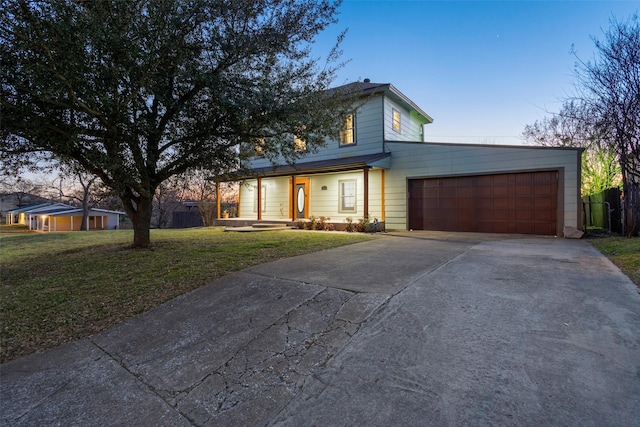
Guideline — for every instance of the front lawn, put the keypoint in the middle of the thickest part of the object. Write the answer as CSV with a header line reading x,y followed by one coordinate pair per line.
x,y
59,287
623,252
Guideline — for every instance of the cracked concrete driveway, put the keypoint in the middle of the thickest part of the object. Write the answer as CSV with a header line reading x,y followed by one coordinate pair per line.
x,y
417,328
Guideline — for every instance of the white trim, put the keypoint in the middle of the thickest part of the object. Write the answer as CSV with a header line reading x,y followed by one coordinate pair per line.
x,y
395,112
351,199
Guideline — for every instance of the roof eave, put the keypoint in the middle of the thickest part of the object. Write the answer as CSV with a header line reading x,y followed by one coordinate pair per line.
x,y
325,166
409,102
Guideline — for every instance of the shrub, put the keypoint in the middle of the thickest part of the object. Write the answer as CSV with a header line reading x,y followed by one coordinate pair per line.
x,y
363,224
350,227
324,225
313,223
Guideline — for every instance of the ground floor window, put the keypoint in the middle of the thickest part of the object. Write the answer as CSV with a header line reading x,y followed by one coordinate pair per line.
x,y
347,195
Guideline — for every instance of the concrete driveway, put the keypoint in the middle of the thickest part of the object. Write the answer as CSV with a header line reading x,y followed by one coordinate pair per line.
x,y
415,328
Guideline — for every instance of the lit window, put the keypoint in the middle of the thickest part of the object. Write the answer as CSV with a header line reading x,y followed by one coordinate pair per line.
x,y
347,196
260,148
300,145
348,131
396,120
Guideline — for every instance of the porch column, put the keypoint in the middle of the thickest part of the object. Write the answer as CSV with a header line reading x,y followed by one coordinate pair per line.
x,y
239,198
217,199
366,192
293,198
382,194
259,199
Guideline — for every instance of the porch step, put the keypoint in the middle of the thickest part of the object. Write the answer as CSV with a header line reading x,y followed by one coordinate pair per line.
x,y
262,226
269,225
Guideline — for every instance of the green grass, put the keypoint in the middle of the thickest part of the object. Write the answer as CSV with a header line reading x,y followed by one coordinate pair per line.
x,y
623,252
59,287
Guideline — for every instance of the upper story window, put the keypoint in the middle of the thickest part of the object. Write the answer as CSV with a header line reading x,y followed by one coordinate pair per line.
x,y
396,120
300,145
348,131
259,148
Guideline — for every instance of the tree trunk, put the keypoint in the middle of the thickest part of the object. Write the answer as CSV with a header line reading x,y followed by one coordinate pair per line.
x,y
631,208
86,184
139,212
141,234
84,225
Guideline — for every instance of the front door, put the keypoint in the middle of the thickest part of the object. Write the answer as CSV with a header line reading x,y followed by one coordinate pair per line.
x,y
300,201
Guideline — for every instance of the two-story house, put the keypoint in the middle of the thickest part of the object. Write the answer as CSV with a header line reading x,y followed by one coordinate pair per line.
x,y
382,168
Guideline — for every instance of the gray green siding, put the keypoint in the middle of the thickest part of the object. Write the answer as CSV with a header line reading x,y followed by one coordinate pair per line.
x,y
368,137
412,160
410,128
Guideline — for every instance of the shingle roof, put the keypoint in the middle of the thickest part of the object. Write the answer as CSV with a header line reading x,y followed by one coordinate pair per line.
x,y
317,166
368,88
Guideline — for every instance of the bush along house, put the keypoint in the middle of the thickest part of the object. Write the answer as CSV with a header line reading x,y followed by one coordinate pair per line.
x,y
382,171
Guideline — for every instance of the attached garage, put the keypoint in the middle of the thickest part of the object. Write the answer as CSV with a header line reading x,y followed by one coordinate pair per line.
x,y
522,203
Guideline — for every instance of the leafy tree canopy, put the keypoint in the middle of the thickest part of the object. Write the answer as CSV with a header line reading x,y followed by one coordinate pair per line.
x,y
137,91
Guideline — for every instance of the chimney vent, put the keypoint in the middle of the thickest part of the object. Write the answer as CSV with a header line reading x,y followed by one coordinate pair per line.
x,y
367,80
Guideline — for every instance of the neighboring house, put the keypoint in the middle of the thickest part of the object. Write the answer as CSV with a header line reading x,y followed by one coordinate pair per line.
x,y
382,169
18,199
61,217
19,216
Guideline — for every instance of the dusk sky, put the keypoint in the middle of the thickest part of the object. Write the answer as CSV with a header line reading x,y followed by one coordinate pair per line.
x,y
482,69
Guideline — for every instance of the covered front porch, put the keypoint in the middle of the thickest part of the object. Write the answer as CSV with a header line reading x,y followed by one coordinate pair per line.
x,y
337,192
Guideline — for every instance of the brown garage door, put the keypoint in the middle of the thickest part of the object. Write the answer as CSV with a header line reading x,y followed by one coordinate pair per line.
x,y
523,203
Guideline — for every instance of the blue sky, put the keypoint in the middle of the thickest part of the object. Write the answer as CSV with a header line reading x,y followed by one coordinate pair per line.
x,y
482,69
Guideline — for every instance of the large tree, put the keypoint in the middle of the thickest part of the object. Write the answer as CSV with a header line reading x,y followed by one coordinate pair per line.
x,y
605,111
610,85
137,91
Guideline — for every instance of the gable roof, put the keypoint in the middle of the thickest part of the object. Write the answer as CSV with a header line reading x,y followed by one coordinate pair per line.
x,y
29,207
366,88
53,209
